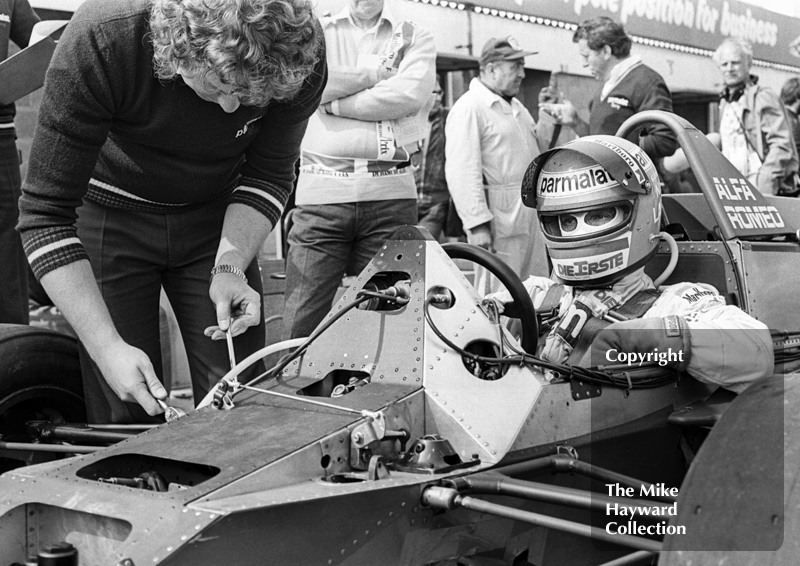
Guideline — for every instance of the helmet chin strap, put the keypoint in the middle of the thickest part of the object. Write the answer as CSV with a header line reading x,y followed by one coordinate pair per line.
x,y
608,284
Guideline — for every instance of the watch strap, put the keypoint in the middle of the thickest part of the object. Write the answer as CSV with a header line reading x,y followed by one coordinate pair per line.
x,y
227,268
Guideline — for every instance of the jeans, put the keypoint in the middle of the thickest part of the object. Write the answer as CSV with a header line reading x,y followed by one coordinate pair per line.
x,y
14,283
323,241
133,255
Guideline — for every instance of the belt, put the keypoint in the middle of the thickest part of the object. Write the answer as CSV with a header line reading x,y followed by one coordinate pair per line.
x,y
345,165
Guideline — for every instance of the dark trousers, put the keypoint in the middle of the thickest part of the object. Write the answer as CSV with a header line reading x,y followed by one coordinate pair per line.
x,y
324,240
14,280
133,255
433,217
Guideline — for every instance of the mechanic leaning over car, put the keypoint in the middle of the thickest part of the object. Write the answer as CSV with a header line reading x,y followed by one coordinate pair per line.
x,y
164,155
598,199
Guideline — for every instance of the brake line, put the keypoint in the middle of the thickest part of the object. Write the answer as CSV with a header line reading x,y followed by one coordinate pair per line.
x,y
236,387
300,350
362,412
624,380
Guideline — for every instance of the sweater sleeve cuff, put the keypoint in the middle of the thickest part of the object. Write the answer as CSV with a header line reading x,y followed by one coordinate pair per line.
x,y
51,248
266,198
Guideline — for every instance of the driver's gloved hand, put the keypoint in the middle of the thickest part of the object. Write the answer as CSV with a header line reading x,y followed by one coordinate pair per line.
x,y
501,298
654,335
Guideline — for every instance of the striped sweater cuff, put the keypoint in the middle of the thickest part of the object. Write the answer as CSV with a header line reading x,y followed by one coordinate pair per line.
x,y
50,248
269,200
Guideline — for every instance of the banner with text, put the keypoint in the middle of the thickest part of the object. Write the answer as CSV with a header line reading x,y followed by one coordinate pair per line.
x,y
695,23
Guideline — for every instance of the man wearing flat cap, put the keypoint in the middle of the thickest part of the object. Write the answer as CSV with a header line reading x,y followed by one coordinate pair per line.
x,y
491,139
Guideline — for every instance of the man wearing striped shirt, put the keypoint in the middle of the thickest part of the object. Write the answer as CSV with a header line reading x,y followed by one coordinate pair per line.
x,y
356,185
163,156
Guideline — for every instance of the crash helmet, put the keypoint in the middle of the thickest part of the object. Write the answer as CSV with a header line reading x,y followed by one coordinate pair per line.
x,y
598,199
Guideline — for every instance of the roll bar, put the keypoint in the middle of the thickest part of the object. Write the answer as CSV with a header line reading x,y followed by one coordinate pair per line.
x,y
727,192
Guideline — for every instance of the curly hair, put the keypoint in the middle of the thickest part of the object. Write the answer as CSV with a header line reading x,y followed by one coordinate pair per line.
x,y
602,31
263,49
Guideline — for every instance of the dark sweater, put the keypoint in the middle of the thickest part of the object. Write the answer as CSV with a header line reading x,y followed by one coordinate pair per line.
x,y
109,126
16,22
641,89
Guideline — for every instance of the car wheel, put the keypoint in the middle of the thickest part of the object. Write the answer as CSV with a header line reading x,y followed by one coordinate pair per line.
x,y
40,379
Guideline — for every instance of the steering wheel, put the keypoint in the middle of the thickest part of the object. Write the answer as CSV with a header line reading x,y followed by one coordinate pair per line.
x,y
498,268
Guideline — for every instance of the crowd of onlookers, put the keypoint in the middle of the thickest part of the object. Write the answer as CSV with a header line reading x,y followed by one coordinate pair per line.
x,y
759,131
141,180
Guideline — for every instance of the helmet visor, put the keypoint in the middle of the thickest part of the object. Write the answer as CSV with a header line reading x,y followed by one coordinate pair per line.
x,y
587,223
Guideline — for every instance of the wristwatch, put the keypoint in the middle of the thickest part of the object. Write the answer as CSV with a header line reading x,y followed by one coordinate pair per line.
x,y
227,268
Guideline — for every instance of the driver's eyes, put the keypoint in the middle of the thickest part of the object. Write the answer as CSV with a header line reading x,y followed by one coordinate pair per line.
x,y
568,223
600,217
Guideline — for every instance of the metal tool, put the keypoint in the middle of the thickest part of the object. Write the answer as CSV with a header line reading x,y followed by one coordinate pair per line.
x,y
171,413
229,339
222,393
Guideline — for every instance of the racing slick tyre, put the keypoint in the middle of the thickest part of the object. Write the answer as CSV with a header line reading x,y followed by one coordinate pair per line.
x,y
498,268
740,502
40,379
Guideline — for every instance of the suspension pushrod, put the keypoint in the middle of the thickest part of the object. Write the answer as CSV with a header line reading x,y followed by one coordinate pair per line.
x,y
446,498
564,463
83,434
131,427
309,401
61,448
550,494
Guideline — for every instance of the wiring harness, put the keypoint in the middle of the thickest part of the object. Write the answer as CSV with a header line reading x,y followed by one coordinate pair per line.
x,y
644,377
397,294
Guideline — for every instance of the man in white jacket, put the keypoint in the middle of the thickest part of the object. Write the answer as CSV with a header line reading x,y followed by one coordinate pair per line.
x,y
490,139
356,183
